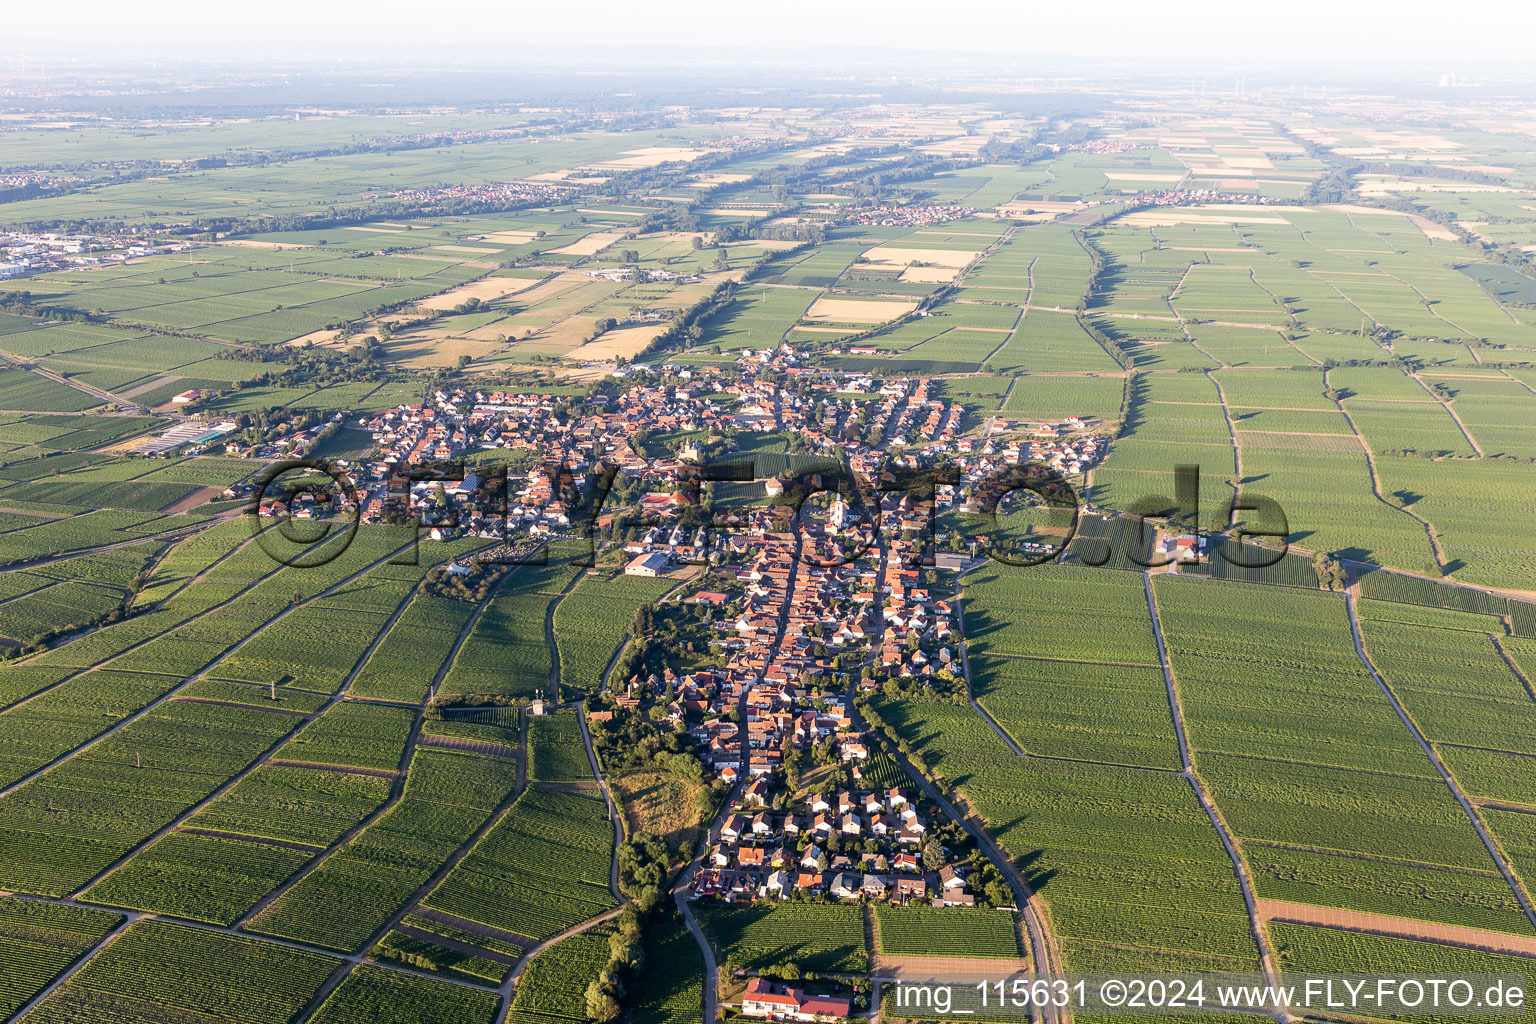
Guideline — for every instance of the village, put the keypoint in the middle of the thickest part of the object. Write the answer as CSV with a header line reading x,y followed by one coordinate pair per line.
x,y
667,433
802,595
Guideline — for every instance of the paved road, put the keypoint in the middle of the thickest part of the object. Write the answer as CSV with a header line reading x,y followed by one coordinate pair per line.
x,y
680,890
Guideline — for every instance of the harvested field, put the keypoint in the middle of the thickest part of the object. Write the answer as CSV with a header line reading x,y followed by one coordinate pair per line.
x,y
627,342
899,257
1162,219
1402,927
1137,176
507,237
650,156
486,290
857,311
590,245
256,243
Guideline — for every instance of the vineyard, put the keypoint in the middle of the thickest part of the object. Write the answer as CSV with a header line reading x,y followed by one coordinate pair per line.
x,y
1128,854
38,941
354,734
540,869
590,623
205,878
294,805
501,726
402,666
351,893
556,751
426,955
818,937
373,995
672,985
1304,949
252,777
554,984
928,931
506,652
120,791
158,973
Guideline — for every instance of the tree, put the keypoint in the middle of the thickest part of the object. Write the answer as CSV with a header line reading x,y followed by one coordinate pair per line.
x,y
999,895
602,1004
1330,574
642,862
933,855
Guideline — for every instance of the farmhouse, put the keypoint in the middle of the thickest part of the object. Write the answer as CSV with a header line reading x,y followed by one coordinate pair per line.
x,y
765,999
650,565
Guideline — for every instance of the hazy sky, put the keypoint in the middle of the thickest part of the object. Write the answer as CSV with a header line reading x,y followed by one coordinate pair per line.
x,y
1446,35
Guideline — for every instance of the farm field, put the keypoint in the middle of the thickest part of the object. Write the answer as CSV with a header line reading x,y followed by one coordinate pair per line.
x,y
540,869
824,938
920,931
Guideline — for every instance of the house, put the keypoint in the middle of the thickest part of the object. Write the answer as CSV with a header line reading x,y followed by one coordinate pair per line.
x,y
778,882
845,885
757,794
1186,548
763,998
812,853
911,887
734,826
950,879
873,885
